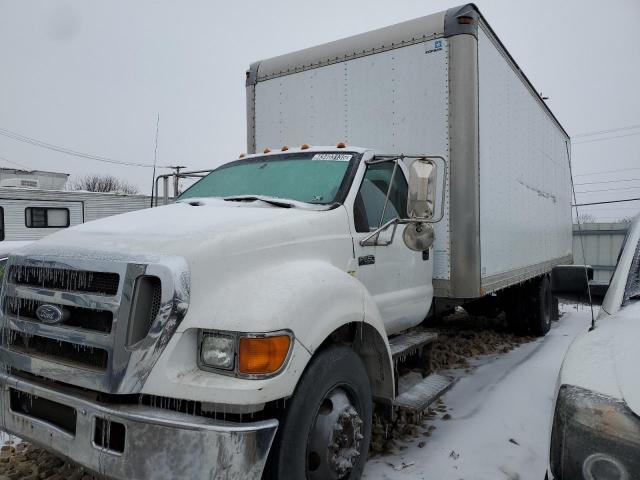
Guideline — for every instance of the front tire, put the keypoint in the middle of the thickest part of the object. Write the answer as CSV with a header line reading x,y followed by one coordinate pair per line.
x,y
326,429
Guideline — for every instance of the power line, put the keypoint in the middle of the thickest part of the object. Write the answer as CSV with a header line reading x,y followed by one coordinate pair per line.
x,y
602,132
605,138
608,201
68,151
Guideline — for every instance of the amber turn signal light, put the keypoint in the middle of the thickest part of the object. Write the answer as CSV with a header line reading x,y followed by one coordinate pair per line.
x,y
263,355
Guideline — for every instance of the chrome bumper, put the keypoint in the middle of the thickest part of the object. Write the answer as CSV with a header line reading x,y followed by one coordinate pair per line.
x,y
159,444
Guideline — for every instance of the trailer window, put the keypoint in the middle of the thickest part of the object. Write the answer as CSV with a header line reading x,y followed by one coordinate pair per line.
x,y
44,217
370,201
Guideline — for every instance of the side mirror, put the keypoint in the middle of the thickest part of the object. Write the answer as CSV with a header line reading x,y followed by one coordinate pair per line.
x,y
422,189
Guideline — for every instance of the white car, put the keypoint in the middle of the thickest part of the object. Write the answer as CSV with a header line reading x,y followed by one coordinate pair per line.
x,y
596,424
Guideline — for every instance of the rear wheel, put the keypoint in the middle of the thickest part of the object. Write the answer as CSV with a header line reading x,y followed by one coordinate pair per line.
x,y
528,307
326,429
540,302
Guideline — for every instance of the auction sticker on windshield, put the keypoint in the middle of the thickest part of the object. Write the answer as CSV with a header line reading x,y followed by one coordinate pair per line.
x,y
341,157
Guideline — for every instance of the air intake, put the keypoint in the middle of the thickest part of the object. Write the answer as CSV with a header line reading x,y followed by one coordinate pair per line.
x,y
145,307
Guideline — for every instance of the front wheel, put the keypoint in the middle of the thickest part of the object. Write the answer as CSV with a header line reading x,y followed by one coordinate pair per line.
x,y
326,429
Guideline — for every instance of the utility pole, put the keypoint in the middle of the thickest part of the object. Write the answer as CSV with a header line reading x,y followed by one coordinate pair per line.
x,y
176,179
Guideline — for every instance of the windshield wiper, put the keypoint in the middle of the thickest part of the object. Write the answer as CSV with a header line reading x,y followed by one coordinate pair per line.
x,y
252,198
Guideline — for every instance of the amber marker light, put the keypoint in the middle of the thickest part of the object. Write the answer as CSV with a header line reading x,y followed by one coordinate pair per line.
x,y
284,149
304,146
341,145
262,355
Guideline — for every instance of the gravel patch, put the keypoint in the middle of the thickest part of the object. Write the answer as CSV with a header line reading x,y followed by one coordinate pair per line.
x,y
461,338
21,460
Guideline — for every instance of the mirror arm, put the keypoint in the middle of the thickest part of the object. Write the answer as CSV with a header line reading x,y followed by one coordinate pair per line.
x,y
386,198
366,242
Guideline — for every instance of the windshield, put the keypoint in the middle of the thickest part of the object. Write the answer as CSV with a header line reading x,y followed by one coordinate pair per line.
x,y
306,177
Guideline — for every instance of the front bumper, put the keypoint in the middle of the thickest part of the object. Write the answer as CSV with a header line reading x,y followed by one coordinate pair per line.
x,y
158,443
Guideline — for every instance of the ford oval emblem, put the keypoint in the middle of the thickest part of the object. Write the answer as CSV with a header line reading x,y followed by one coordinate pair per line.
x,y
50,314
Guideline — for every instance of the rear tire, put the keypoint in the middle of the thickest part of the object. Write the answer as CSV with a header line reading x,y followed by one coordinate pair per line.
x,y
326,429
528,307
512,300
540,306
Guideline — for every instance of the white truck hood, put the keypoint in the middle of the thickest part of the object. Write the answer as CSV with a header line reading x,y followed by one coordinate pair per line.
x,y
185,228
606,359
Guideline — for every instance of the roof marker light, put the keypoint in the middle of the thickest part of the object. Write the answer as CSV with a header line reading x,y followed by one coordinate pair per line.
x,y
242,155
266,150
466,20
341,145
304,146
284,149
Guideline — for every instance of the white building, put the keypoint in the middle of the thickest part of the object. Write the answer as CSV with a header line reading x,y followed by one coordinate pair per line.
x,y
11,177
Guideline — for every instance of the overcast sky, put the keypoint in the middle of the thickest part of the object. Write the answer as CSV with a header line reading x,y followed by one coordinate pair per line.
x,y
92,75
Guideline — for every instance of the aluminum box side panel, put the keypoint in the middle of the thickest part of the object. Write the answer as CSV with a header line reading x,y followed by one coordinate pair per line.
x,y
525,203
395,101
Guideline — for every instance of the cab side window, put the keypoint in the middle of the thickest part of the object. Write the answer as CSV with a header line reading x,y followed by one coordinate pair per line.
x,y
369,204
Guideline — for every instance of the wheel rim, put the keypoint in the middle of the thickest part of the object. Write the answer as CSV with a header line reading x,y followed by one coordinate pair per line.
x,y
335,440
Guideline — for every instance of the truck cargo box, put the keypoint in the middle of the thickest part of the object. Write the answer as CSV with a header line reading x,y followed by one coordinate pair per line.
x,y
438,85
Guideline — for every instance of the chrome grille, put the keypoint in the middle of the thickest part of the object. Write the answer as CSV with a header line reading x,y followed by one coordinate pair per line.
x,y
59,351
78,317
103,283
88,348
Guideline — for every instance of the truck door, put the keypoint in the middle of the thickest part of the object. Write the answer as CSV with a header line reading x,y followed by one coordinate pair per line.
x,y
399,279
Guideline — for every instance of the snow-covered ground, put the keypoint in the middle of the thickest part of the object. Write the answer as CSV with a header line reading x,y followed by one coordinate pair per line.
x,y
500,417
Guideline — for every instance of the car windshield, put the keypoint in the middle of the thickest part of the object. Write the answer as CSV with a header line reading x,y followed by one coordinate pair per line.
x,y
306,177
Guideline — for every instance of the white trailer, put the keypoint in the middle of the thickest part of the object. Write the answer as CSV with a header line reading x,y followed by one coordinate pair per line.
x,y
28,214
438,85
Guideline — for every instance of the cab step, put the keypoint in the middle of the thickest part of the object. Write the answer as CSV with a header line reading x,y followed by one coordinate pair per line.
x,y
417,398
409,343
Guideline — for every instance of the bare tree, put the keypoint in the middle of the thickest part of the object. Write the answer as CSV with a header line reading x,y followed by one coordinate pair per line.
x,y
101,183
585,218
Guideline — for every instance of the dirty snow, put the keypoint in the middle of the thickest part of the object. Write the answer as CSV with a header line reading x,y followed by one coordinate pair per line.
x,y
500,417
492,425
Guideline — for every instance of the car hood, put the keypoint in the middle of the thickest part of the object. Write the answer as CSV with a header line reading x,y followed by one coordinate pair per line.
x,y
606,359
187,228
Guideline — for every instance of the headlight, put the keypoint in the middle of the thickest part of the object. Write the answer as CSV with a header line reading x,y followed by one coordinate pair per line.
x,y
217,350
244,354
594,437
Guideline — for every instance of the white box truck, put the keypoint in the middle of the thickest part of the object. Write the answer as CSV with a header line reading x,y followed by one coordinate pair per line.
x,y
249,329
